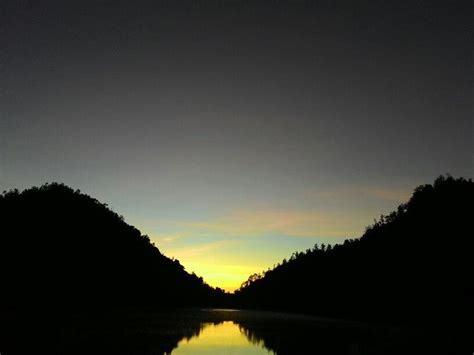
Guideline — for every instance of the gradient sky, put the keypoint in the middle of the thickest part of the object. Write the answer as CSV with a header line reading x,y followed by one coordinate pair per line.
x,y
236,132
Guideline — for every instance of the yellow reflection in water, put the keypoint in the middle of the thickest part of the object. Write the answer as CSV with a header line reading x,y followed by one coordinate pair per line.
x,y
223,338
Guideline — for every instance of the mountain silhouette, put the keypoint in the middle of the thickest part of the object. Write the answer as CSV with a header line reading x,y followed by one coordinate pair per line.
x,y
414,264
75,277
62,248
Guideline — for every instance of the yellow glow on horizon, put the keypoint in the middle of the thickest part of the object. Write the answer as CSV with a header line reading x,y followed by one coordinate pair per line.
x,y
226,248
226,259
226,276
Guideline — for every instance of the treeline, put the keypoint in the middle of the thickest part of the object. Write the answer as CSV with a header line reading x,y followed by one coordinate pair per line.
x,y
414,264
60,247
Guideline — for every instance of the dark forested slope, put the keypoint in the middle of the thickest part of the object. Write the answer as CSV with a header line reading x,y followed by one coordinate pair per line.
x,y
415,263
59,247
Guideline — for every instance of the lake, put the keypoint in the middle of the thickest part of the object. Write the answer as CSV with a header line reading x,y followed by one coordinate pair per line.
x,y
211,331
223,338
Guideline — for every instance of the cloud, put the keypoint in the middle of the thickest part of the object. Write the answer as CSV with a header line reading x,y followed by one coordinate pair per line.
x,y
337,213
396,195
225,249
190,252
228,246
303,223
166,238
357,193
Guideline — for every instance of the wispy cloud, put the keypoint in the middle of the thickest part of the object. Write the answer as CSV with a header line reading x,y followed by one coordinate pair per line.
x,y
356,193
225,248
396,195
167,238
304,223
190,252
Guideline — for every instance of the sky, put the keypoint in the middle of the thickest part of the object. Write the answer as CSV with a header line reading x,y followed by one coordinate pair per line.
x,y
234,133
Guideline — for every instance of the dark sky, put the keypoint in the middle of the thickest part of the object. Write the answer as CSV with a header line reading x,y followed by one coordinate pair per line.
x,y
212,124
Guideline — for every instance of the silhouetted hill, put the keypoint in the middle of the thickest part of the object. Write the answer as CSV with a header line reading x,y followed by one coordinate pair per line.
x,y
74,277
414,264
59,247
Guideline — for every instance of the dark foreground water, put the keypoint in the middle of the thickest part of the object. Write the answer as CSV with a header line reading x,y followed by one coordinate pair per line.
x,y
214,331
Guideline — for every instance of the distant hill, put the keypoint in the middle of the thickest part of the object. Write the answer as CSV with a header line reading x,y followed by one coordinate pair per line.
x,y
414,264
59,247
62,248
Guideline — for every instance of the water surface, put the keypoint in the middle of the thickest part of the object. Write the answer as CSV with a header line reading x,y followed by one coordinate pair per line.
x,y
223,338
213,331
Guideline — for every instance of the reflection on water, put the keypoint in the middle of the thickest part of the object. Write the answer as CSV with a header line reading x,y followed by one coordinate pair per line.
x,y
222,338
215,331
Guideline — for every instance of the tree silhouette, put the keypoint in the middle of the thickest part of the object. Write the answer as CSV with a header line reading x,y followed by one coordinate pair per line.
x,y
413,263
59,247
63,252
